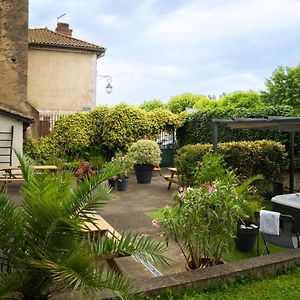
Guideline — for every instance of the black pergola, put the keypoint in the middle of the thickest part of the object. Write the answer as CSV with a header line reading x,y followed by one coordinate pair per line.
x,y
281,124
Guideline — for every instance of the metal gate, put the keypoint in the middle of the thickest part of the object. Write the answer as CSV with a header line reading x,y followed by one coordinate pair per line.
x,y
167,145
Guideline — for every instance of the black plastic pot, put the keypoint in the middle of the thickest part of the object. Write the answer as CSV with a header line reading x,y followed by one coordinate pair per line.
x,y
123,184
143,173
246,238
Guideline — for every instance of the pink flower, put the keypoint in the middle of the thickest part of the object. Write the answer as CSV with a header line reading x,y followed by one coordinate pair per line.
x,y
210,187
155,223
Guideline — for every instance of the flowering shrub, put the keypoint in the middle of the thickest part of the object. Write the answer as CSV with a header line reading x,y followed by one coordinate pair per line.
x,y
145,152
204,219
124,163
85,170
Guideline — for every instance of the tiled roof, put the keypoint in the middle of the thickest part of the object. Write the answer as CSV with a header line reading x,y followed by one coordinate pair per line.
x,y
46,37
9,111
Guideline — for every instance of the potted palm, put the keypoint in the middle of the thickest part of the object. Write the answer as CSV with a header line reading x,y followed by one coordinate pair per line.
x,y
145,154
43,250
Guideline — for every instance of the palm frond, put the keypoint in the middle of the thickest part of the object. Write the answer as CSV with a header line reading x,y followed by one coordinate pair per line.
x,y
144,247
9,283
9,222
26,165
79,272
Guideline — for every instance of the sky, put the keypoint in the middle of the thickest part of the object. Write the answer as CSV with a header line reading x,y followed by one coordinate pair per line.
x,y
157,49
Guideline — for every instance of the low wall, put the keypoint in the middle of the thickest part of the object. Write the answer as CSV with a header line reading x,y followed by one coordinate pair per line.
x,y
257,267
261,266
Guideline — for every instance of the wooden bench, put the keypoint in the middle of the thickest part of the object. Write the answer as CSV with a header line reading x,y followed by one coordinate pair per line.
x,y
100,227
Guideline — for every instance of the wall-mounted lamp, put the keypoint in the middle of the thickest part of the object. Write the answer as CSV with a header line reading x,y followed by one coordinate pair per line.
x,y
109,87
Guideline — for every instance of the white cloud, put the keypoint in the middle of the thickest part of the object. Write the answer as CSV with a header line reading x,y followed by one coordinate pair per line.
x,y
195,24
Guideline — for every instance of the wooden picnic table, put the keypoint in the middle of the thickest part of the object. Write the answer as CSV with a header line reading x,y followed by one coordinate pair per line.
x,y
172,178
14,173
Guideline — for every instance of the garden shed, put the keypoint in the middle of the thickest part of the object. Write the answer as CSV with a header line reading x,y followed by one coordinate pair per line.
x,y
13,125
278,123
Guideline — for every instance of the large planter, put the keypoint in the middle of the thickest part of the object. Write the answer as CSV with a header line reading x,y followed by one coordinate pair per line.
x,y
122,184
143,173
246,238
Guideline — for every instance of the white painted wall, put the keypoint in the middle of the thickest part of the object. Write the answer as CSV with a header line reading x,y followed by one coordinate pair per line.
x,y
5,125
61,81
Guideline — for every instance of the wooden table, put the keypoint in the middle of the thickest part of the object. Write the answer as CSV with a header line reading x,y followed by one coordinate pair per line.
x,y
14,173
173,178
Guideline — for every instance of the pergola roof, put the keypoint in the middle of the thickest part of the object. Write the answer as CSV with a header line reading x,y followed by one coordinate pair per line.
x,y
278,123
281,124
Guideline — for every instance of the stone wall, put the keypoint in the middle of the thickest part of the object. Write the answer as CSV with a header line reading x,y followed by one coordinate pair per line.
x,y
14,57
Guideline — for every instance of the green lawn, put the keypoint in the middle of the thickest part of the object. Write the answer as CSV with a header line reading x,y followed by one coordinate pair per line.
x,y
285,287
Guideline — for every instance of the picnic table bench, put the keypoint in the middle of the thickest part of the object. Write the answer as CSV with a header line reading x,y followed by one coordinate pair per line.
x,y
100,227
172,178
14,173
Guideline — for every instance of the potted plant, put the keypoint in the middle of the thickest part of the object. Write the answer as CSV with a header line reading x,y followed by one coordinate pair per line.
x,y
247,229
145,154
213,167
124,162
203,222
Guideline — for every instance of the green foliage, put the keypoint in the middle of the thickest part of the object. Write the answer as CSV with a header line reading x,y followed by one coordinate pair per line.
x,y
145,152
267,158
283,87
198,127
102,133
241,99
44,242
211,168
204,103
152,104
73,133
97,117
123,126
162,119
203,221
181,102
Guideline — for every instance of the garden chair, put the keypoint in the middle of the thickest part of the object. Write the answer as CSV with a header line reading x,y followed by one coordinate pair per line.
x,y
286,237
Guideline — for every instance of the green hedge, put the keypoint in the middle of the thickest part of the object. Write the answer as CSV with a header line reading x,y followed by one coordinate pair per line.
x,y
198,126
102,132
246,158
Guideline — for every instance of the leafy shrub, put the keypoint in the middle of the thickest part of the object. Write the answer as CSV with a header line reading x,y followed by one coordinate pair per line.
x,y
152,104
163,119
123,126
239,99
181,102
267,158
145,152
198,127
73,133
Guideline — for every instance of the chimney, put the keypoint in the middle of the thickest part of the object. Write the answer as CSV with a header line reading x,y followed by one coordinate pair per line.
x,y
63,28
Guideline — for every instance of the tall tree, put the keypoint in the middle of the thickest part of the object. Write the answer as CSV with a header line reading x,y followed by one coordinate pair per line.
x,y
283,87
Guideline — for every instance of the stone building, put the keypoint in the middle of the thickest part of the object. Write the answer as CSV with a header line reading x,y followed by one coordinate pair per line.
x,y
14,58
62,71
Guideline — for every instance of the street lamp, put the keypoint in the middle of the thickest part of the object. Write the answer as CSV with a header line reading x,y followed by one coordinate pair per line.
x,y
109,87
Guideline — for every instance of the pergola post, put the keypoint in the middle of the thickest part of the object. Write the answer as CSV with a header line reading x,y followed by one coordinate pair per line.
x,y
292,155
215,137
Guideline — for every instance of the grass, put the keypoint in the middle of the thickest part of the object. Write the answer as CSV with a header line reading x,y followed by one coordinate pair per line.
x,y
284,286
